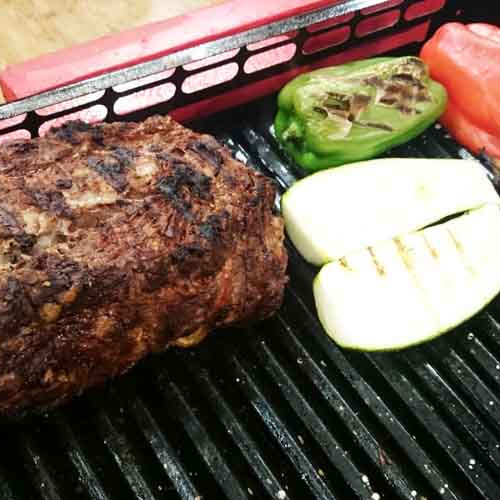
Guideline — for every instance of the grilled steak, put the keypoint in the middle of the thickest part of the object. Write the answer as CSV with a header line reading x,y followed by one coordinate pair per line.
x,y
118,240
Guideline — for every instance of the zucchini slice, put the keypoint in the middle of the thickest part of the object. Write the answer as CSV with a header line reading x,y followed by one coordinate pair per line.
x,y
341,210
414,287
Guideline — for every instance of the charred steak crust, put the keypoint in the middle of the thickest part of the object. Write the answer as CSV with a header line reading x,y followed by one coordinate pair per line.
x,y
118,240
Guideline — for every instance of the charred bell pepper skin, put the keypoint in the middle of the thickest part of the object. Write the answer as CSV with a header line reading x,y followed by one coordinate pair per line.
x,y
356,111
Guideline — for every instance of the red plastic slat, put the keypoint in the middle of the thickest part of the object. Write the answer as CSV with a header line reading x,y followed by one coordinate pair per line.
x,y
211,60
10,122
424,8
327,39
15,136
146,43
383,6
377,23
209,78
144,81
266,86
330,22
73,103
270,58
272,41
144,98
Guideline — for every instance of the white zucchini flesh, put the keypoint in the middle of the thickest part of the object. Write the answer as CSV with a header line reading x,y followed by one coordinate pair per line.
x,y
337,211
414,287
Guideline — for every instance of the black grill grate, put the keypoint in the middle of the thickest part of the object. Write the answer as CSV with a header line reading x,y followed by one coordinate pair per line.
x,y
278,410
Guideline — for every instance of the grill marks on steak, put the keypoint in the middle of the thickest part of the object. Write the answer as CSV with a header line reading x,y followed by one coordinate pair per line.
x,y
51,201
117,240
15,306
114,168
113,172
208,149
184,183
72,132
10,227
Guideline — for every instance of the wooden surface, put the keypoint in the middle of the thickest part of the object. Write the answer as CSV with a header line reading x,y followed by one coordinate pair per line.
x,y
29,28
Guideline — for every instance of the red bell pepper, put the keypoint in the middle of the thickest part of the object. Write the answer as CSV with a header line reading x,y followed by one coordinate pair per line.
x,y
466,60
469,134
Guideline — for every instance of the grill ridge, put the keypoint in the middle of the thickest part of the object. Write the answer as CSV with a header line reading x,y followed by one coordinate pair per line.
x,y
371,423
277,410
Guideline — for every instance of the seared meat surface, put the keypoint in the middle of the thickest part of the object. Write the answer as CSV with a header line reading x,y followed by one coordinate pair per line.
x,y
118,240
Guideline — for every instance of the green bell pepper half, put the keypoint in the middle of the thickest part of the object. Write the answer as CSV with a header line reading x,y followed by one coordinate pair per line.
x,y
356,111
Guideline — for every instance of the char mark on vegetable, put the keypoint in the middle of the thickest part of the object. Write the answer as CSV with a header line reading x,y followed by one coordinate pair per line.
x,y
378,266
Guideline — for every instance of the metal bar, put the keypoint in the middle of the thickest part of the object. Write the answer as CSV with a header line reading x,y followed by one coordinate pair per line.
x,y
179,58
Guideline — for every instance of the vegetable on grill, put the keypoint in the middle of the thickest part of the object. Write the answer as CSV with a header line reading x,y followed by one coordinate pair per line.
x,y
396,270
466,59
412,288
356,111
337,211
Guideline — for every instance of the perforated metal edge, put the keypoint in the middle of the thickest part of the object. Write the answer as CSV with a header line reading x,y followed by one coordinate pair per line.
x,y
179,58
